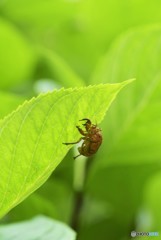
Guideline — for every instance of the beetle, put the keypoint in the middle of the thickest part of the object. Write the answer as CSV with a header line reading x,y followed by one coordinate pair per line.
x,y
92,139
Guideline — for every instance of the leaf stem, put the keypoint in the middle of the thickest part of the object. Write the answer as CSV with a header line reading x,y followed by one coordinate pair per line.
x,y
81,172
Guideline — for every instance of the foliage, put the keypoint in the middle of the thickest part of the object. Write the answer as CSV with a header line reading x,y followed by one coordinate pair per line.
x,y
47,45
36,131
37,228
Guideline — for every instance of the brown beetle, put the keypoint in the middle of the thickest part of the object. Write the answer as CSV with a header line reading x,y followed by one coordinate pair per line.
x,y
92,139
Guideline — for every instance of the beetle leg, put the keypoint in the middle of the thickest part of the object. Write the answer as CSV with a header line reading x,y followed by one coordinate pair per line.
x,y
82,138
77,156
80,150
81,131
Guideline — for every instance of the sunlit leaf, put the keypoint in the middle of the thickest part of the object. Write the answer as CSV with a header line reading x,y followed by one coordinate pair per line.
x,y
31,137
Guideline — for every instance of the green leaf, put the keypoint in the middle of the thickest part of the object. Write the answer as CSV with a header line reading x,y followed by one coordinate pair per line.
x,y
78,34
59,70
133,124
131,148
16,57
127,182
37,204
57,205
151,205
31,137
41,228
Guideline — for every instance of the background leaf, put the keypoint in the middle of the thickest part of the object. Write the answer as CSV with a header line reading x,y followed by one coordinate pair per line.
x,y
79,31
17,57
10,102
53,199
38,228
132,126
149,217
29,157
130,153
53,66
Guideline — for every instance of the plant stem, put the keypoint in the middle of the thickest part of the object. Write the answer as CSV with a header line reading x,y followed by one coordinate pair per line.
x,y
78,203
79,191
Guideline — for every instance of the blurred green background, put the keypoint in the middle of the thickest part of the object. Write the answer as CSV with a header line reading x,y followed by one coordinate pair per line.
x,y
48,44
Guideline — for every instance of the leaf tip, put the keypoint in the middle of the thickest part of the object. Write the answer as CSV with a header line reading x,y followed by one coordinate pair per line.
x,y
129,81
